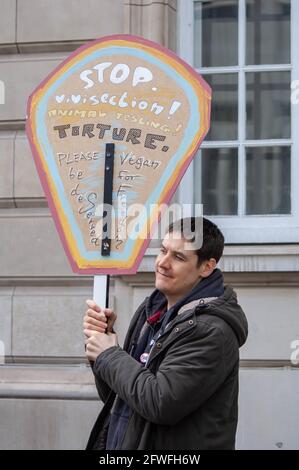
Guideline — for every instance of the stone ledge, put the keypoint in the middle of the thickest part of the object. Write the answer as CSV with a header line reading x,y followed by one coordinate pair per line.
x,y
46,392
237,258
76,383
49,281
47,382
47,373
237,279
40,47
11,125
53,46
43,361
245,258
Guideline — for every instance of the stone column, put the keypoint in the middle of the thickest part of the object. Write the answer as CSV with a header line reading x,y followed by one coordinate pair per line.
x,y
154,20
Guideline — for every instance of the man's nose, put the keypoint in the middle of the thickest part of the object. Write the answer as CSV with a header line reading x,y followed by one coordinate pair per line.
x,y
164,262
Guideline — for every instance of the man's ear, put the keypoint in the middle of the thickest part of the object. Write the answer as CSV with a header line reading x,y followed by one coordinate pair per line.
x,y
207,267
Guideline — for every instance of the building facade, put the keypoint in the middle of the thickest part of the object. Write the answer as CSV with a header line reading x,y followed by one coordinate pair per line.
x,y
245,175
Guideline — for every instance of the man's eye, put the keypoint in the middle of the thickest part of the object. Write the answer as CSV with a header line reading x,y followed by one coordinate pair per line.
x,y
162,250
180,258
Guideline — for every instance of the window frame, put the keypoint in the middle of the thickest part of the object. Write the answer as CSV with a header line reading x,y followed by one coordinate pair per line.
x,y
247,228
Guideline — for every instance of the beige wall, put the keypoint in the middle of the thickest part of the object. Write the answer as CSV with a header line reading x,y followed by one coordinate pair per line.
x,y
47,396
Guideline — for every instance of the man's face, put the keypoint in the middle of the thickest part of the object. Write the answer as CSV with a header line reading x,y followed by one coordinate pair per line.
x,y
176,267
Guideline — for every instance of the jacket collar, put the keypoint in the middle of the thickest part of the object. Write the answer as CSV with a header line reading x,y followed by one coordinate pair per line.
x,y
196,303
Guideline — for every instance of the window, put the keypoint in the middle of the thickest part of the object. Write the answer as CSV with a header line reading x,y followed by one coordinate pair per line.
x,y
245,172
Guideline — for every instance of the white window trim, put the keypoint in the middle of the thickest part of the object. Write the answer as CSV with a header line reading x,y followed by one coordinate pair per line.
x,y
248,229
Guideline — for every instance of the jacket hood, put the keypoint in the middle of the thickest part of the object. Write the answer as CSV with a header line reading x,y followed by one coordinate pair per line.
x,y
226,307
212,286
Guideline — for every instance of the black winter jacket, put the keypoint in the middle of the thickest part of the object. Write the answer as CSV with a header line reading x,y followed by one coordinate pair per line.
x,y
187,396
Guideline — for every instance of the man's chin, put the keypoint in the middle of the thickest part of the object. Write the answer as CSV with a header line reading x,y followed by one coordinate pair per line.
x,y
160,285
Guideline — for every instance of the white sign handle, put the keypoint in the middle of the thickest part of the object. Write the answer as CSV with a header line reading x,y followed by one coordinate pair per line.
x,y
100,290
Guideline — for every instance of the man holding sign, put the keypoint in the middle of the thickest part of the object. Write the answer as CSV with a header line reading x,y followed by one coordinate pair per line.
x,y
114,128
174,384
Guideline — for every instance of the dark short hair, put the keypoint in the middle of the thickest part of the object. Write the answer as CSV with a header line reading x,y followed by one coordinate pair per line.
x,y
212,239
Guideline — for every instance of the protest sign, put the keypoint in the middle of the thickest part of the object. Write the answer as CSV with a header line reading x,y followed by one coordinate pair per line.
x,y
153,107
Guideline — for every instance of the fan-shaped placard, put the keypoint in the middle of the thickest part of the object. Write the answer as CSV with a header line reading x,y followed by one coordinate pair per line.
x,y
152,106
